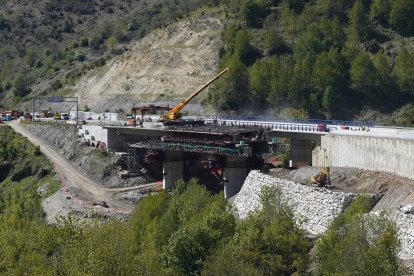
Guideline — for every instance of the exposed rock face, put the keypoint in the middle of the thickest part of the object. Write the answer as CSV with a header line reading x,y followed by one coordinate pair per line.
x,y
165,66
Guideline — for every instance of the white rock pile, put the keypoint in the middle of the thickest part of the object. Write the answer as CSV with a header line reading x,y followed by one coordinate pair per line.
x,y
315,208
405,225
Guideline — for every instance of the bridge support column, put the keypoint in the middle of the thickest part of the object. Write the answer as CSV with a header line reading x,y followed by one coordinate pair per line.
x,y
173,168
301,152
235,173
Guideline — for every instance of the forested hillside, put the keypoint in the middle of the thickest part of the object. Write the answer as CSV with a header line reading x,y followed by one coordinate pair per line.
x,y
318,58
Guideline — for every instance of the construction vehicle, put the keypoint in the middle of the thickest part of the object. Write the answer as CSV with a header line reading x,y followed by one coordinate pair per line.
x,y
174,114
322,179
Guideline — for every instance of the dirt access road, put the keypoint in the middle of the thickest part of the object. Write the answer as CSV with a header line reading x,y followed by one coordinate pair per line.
x,y
71,177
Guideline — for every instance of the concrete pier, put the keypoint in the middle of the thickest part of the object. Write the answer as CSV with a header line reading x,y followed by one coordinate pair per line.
x,y
235,173
173,169
301,152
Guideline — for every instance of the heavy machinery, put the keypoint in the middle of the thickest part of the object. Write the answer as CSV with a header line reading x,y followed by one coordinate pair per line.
x,y
322,179
174,113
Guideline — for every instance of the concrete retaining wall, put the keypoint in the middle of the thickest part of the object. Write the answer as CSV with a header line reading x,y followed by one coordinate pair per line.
x,y
94,134
317,206
369,153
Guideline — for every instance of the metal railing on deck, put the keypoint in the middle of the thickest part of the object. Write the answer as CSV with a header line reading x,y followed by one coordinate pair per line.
x,y
269,119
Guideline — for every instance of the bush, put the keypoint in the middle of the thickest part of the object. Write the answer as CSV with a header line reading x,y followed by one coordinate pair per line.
x,y
37,151
84,42
358,244
20,86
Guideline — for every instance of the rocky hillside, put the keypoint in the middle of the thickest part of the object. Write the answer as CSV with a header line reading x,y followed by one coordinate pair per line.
x,y
166,65
47,46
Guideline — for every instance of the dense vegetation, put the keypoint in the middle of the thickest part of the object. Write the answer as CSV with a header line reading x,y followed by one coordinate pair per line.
x,y
318,58
188,232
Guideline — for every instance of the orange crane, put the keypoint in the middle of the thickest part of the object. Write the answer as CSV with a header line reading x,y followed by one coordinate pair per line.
x,y
174,113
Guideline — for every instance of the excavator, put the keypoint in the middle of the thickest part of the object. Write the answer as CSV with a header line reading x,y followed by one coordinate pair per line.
x,y
174,113
322,179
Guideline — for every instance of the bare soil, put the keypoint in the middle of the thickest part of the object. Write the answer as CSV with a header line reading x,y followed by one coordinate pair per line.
x,y
165,66
397,191
79,194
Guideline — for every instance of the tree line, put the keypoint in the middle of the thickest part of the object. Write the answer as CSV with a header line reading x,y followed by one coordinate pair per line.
x,y
327,57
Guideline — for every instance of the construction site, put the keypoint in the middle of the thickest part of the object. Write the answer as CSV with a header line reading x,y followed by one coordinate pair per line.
x,y
110,162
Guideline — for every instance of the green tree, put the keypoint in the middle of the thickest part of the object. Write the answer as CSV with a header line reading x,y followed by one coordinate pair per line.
x,y
358,22
385,97
329,101
268,242
334,8
273,42
20,86
363,75
301,82
232,88
242,47
319,37
30,57
358,244
259,85
310,42
67,26
294,113
281,73
100,250
254,12
404,71
329,71
111,42
401,16
380,11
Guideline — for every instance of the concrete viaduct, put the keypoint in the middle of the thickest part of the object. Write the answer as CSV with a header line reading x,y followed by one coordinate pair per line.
x,y
240,140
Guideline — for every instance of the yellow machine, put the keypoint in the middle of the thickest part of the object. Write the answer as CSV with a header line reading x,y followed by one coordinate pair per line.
x,y
322,179
174,113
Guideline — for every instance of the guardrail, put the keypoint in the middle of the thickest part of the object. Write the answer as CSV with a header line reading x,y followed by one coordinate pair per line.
x,y
280,120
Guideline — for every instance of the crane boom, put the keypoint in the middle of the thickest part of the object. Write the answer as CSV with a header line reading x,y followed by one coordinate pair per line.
x,y
174,113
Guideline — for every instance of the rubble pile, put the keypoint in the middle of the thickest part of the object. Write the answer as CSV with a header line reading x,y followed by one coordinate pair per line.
x,y
404,219
315,208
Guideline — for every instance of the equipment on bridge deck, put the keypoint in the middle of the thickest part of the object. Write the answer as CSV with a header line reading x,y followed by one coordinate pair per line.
x,y
174,113
152,109
323,128
322,179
